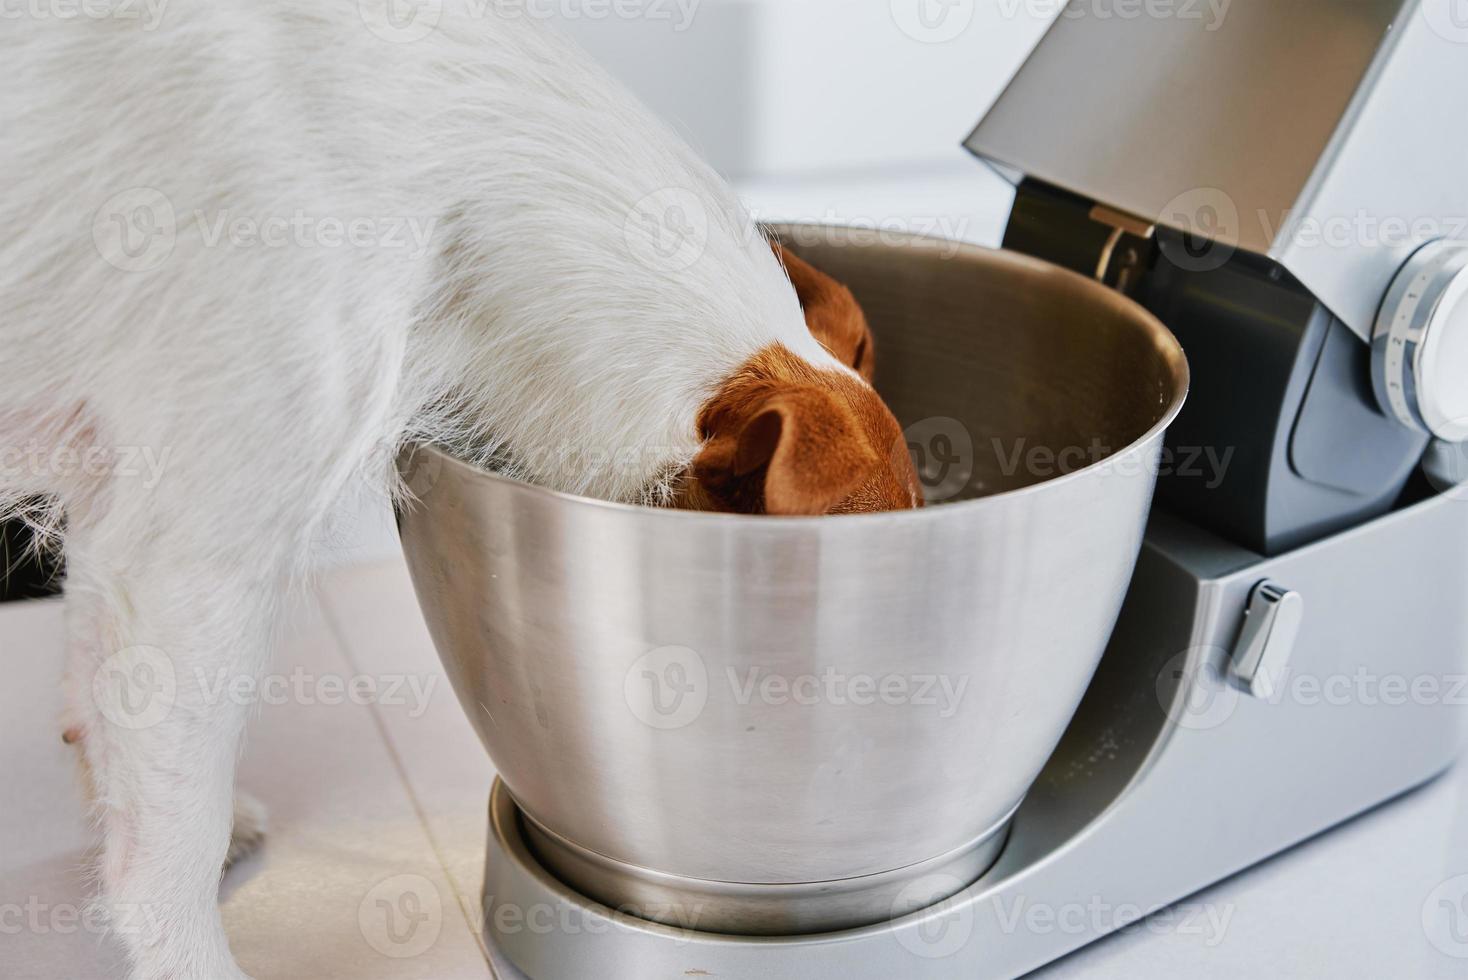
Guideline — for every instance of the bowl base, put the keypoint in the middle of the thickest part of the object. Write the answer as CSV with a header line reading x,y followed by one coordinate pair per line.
x,y
748,909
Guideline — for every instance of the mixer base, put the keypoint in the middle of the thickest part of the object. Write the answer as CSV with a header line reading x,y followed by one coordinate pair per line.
x,y
539,927
731,908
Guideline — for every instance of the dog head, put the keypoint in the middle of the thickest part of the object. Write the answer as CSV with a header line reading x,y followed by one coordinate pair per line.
x,y
784,436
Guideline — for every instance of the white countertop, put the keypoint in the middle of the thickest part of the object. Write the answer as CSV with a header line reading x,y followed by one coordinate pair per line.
x,y
394,792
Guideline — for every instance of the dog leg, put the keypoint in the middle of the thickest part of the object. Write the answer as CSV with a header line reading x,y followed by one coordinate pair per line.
x,y
251,818
156,645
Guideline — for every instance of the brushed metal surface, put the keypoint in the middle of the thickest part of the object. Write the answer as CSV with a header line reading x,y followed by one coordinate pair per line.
x,y
1139,110
736,909
1326,135
615,660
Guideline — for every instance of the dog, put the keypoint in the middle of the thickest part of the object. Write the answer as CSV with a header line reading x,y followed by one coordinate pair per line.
x,y
267,244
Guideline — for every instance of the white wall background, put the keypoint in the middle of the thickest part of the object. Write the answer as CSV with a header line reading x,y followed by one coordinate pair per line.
x,y
846,111
799,86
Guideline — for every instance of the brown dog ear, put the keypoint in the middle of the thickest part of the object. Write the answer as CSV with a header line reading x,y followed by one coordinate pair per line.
x,y
832,313
797,452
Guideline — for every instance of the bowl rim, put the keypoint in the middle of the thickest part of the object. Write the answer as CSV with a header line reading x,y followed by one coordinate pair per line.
x,y
1162,338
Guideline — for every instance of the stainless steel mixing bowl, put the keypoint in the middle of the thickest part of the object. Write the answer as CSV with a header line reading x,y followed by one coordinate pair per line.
x,y
760,725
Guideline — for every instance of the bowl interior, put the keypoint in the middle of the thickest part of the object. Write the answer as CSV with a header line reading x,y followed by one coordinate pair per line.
x,y
1005,371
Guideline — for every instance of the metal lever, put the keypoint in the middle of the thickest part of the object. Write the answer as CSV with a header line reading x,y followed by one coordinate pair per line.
x,y
1271,625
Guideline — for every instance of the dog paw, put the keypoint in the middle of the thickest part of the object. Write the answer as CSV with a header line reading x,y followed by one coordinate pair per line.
x,y
249,829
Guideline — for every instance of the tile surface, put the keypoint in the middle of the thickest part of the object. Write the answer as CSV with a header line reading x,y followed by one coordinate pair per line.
x,y
348,884
44,837
446,770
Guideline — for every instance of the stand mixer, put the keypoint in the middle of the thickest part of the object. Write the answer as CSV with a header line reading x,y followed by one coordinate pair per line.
x,y
1285,653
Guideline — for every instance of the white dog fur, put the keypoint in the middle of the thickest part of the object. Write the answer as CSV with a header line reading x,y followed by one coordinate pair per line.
x,y
520,302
